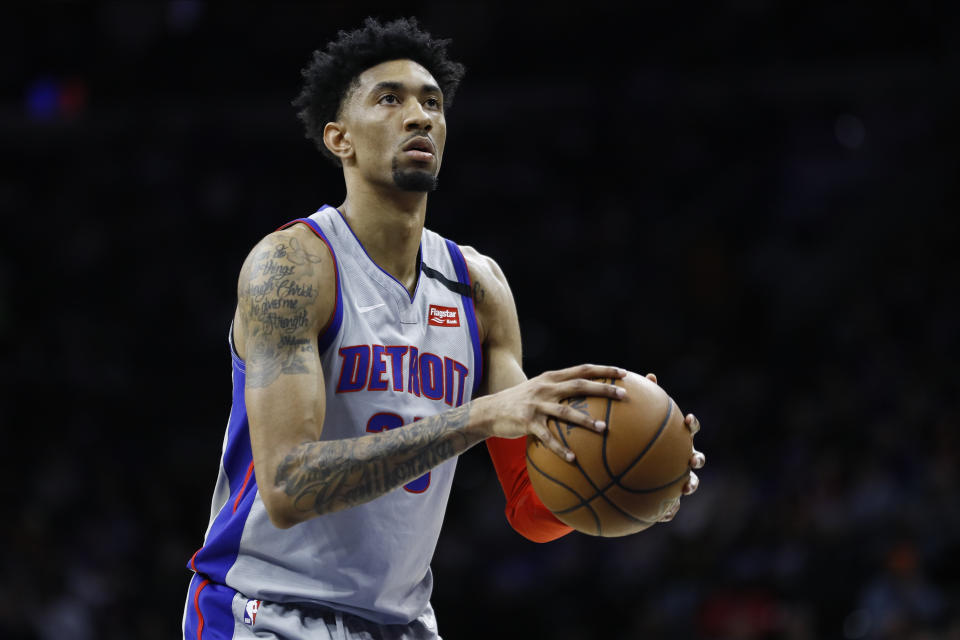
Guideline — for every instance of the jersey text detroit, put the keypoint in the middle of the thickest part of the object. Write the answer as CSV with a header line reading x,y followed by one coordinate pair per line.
x,y
401,368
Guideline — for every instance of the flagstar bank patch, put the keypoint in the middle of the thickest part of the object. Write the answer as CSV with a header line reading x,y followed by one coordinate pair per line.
x,y
443,316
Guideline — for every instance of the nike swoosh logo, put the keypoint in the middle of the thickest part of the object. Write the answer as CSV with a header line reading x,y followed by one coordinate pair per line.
x,y
371,307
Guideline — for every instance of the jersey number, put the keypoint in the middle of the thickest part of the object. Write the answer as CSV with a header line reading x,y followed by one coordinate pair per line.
x,y
381,422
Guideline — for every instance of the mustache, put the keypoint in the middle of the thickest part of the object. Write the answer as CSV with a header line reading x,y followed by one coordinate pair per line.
x,y
420,133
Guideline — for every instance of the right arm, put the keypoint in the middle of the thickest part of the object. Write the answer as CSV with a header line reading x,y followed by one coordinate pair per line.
x,y
286,295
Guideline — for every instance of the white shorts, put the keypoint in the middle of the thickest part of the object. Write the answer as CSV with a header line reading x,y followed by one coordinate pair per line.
x,y
217,612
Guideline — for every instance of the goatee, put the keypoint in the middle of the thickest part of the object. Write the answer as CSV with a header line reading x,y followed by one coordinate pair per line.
x,y
413,179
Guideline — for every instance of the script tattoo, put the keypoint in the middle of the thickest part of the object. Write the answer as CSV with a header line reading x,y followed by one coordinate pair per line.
x,y
277,297
331,475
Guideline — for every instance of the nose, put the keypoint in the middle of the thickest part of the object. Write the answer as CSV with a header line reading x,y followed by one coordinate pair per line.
x,y
415,118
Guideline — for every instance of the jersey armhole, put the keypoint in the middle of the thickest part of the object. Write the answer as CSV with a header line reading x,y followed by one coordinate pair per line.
x,y
332,328
237,360
463,276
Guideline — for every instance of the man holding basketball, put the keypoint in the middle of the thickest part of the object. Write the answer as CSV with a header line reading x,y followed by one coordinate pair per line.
x,y
368,353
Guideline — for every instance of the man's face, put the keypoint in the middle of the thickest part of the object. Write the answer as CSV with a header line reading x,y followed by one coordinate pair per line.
x,y
394,117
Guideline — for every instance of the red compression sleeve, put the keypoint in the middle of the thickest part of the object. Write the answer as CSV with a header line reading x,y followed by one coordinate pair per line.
x,y
525,512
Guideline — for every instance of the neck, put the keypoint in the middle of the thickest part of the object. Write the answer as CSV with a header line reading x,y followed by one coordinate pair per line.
x,y
389,228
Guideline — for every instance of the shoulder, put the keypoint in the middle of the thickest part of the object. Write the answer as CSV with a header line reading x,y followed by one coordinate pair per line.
x,y
481,267
296,248
491,292
287,281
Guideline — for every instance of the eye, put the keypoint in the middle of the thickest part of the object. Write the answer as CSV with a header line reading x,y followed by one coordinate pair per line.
x,y
433,103
389,98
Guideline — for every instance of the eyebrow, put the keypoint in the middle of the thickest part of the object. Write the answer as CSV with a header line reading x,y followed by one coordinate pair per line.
x,y
392,85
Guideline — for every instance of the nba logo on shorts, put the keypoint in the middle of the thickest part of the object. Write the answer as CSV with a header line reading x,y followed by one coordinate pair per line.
x,y
250,613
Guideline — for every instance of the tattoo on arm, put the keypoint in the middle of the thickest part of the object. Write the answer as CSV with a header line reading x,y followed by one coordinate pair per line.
x,y
331,475
479,293
277,296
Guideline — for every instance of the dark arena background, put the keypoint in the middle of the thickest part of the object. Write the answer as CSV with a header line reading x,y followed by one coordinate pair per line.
x,y
756,202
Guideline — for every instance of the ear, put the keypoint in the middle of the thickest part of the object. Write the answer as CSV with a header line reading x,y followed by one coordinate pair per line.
x,y
337,140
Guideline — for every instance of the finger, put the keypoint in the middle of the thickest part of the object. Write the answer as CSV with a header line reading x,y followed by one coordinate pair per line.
x,y
671,512
697,460
692,483
652,377
587,371
692,423
566,413
581,387
544,435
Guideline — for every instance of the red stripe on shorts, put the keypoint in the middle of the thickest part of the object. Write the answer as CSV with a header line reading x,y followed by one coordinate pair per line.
x,y
246,479
196,605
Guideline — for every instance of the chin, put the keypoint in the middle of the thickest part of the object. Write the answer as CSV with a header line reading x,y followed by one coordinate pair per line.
x,y
414,179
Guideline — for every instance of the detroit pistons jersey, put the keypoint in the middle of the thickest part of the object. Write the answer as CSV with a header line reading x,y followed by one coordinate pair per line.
x,y
389,358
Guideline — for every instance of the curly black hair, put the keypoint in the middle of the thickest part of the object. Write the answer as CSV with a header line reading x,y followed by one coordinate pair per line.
x,y
331,74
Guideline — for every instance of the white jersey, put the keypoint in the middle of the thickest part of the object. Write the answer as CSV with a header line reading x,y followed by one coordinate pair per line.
x,y
388,358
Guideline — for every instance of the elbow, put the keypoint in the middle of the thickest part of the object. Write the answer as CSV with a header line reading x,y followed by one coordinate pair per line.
x,y
534,535
281,521
280,511
545,528
283,514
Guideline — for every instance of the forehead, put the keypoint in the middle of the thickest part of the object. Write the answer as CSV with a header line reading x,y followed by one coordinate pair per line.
x,y
404,71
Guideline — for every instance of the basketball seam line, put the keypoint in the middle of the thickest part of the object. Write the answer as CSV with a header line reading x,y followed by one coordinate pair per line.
x,y
583,501
568,488
660,430
682,476
601,493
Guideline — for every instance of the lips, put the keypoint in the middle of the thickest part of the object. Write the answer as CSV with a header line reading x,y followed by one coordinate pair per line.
x,y
420,148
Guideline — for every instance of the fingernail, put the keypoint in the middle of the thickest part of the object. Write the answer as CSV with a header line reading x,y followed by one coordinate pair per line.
x,y
621,392
600,425
622,372
570,456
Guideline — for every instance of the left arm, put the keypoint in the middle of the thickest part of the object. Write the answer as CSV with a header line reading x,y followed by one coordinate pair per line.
x,y
499,329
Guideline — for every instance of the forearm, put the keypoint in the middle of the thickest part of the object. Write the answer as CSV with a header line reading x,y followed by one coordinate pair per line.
x,y
524,510
325,476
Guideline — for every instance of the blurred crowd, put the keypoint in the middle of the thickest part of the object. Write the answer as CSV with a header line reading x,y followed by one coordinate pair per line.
x,y
759,207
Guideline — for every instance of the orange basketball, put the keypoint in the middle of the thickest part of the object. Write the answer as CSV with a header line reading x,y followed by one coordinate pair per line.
x,y
624,479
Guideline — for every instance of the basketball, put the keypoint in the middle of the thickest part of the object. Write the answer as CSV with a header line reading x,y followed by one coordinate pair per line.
x,y
624,479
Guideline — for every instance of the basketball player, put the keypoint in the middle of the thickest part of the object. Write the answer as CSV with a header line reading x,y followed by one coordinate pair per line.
x,y
368,353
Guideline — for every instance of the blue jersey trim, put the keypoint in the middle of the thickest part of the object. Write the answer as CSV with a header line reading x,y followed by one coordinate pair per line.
x,y
222,544
237,360
213,605
463,275
328,333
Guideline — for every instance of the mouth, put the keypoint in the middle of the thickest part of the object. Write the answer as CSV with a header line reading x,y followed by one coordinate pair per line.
x,y
420,148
